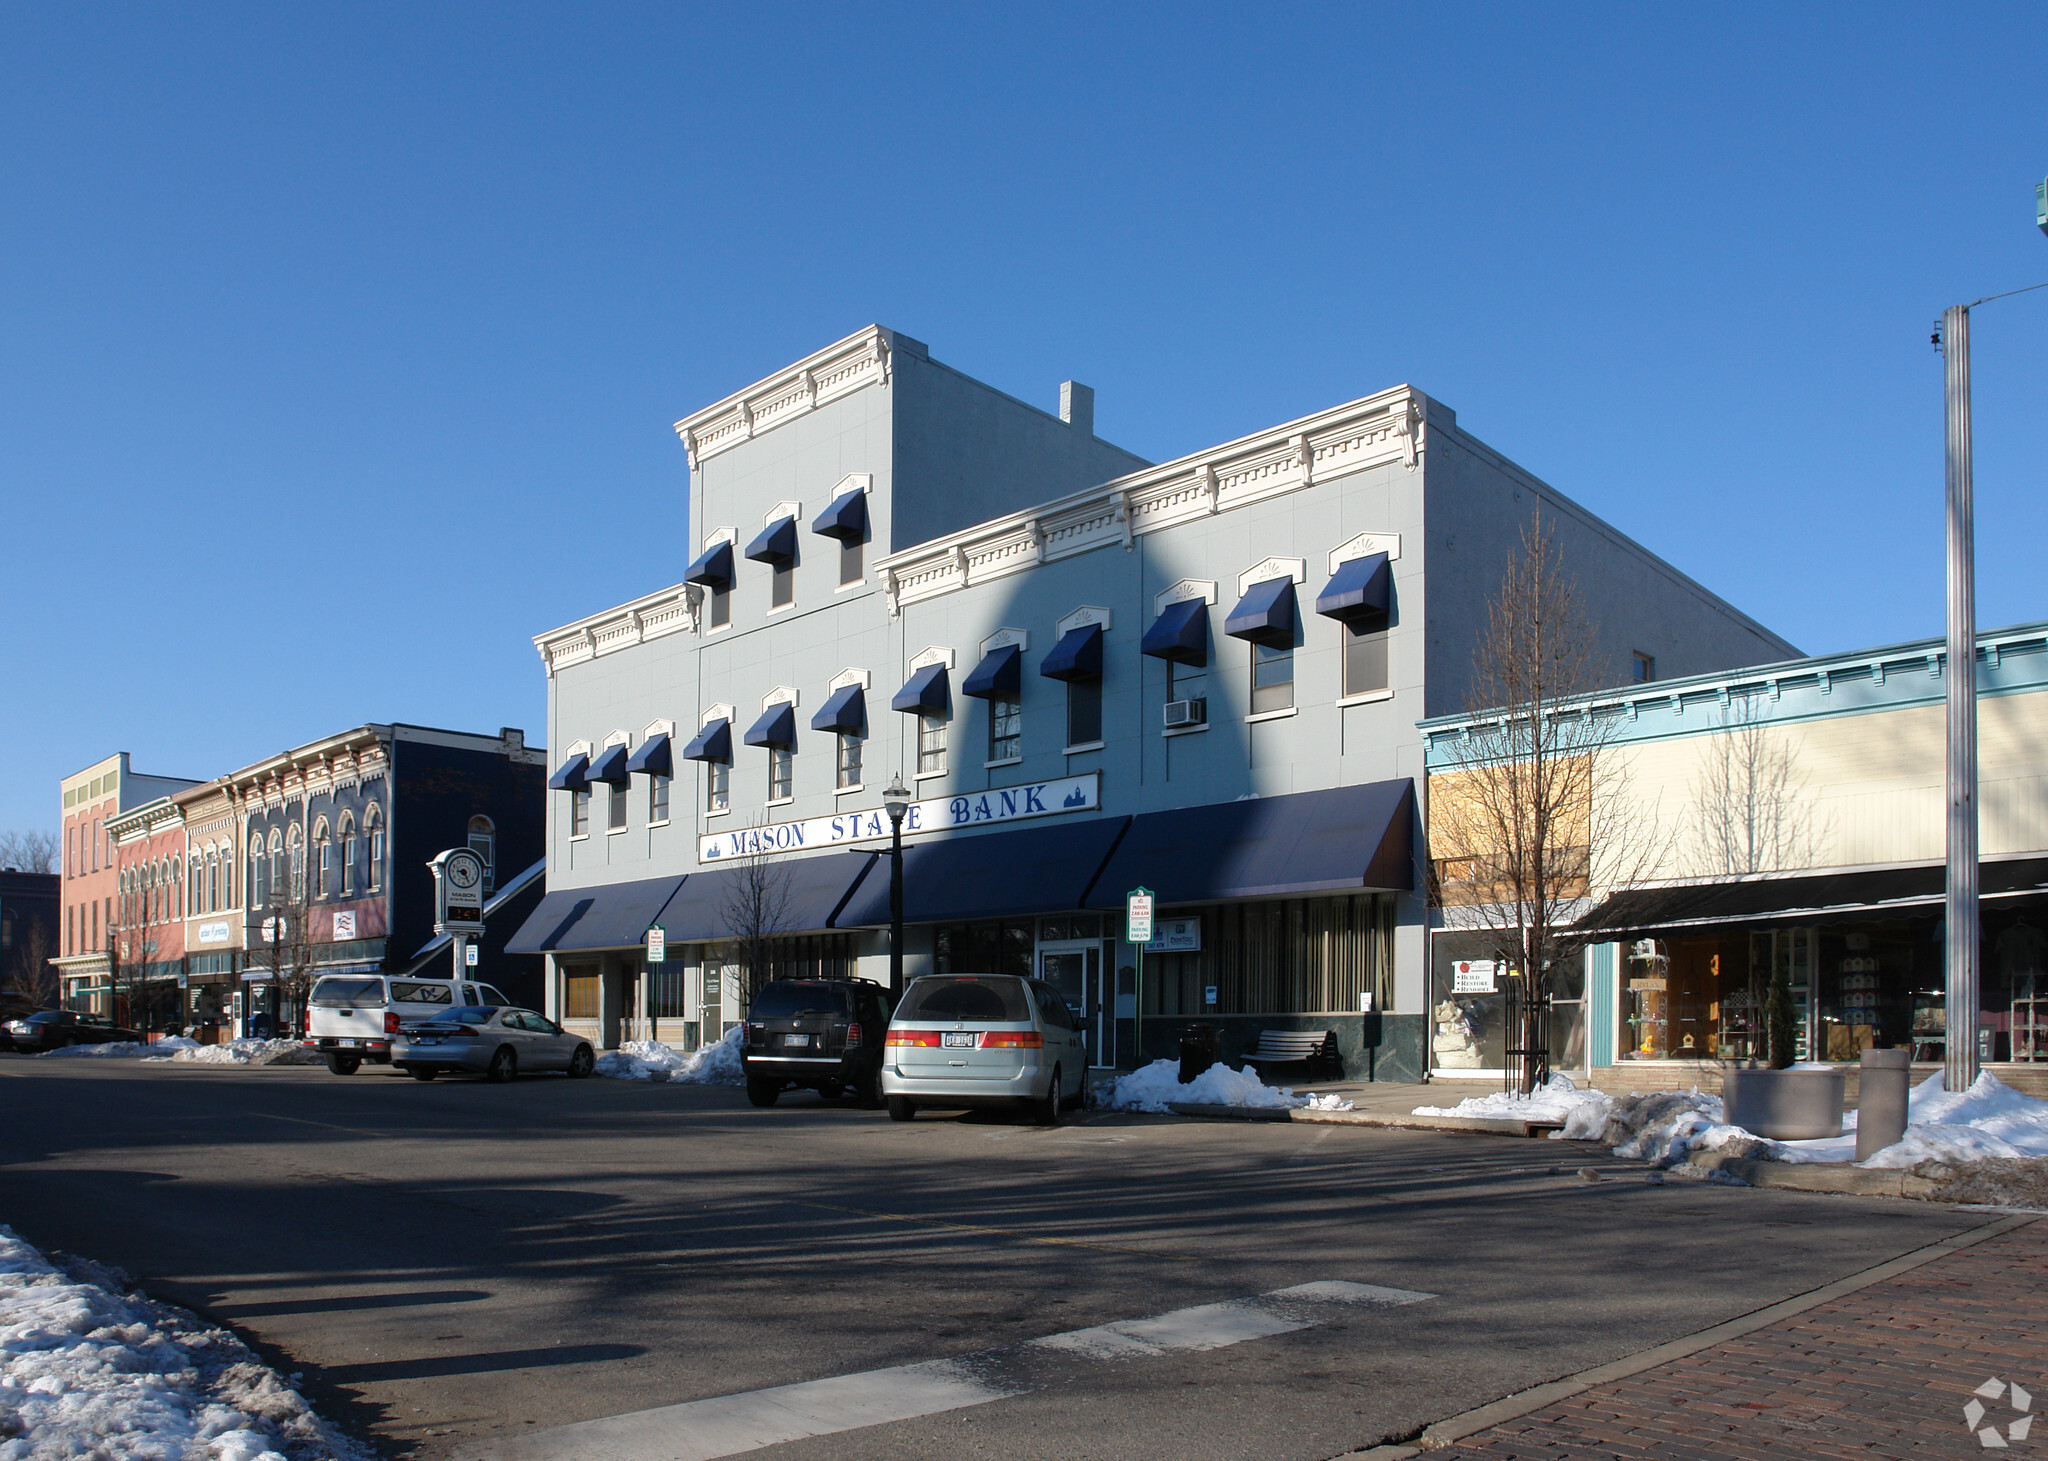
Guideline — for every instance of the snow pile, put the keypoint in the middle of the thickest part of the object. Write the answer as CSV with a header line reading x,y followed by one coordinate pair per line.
x,y
1990,1119
234,1052
651,1060
1555,1101
1154,1086
1331,1102
87,1372
112,1050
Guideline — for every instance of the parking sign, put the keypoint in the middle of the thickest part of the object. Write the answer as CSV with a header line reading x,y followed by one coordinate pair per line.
x,y
1138,916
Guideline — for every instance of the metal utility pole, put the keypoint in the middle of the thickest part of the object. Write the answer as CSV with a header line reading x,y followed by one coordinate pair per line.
x,y
1959,1051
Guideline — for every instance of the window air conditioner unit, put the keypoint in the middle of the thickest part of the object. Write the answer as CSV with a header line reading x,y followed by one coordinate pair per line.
x,y
1186,712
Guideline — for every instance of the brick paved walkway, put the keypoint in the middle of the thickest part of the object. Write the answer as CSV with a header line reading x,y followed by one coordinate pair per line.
x,y
1884,1371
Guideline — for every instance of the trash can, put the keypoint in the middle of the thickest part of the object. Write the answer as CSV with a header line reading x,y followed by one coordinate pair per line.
x,y
1882,1090
1198,1051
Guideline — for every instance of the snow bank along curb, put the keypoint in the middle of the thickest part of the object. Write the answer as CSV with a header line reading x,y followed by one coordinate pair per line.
x,y
1157,1088
88,1371
1483,1125
183,1051
651,1060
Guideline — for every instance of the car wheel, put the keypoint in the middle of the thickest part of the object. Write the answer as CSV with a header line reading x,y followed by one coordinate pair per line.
x,y
422,1072
581,1062
902,1108
867,1091
1046,1112
344,1064
762,1091
1080,1097
504,1065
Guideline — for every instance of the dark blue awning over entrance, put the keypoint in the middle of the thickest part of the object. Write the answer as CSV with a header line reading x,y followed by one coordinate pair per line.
x,y
1078,655
1361,588
653,758
573,775
997,677
776,727
610,766
846,519
776,542
813,889
1180,634
924,693
992,874
1349,837
614,916
713,567
845,714
1265,615
713,743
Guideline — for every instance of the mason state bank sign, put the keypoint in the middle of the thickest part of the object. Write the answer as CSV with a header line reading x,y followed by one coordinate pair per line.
x,y
940,814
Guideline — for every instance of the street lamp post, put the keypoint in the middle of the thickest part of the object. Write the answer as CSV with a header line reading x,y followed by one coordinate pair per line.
x,y
896,802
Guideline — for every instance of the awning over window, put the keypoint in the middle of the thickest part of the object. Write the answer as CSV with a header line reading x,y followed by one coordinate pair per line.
x,y
1180,634
1078,655
924,693
845,714
1349,837
776,727
1361,588
991,874
997,677
613,916
653,758
610,766
713,743
812,890
573,774
1265,615
776,543
846,519
713,567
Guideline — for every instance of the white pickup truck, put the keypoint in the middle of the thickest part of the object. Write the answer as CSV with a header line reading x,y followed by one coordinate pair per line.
x,y
351,1018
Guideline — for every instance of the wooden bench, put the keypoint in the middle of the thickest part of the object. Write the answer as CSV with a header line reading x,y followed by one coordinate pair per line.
x,y
1296,1047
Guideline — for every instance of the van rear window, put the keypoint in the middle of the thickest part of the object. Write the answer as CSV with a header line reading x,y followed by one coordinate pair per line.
x,y
410,993
331,993
967,998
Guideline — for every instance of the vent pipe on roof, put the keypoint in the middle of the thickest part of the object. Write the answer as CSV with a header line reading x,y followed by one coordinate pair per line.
x,y
1077,405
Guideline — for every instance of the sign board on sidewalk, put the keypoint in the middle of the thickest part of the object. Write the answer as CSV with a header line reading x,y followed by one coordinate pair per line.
x,y
1138,916
657,945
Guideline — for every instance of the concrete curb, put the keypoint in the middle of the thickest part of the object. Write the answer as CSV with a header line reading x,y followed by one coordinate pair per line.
x,y
1485,1125
1456,1428
1816,1176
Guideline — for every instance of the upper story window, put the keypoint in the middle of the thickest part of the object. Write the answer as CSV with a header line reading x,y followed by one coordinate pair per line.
x,y
323,867
615,812
657,800
348,855
1365,657
298,861
373,826
846,519
483,841
1642,667
1188,687
852,561
1005,730
781,773
718,786
1084,712
782,586
931,743
1272,678
579,813
850,749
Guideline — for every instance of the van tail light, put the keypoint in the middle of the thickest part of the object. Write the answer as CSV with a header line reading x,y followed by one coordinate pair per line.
x,y
1012,1040
853,1034
391,1022
912,1037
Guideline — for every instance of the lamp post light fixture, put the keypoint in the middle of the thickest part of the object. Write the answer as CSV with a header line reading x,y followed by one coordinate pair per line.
x,y
896,802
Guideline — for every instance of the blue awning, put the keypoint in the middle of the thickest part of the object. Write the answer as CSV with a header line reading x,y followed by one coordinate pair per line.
x,y
1265,615
845,714
924,693
610,765
1078,655
713,743
846,519
611,916
776,727
812,890
713,567
997,677
1361,588
1180,634
1346,838
992,874
573,775
776,543
653,757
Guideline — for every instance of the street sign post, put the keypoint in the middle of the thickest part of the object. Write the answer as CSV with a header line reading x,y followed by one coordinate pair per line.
x,y
657,945
1138,933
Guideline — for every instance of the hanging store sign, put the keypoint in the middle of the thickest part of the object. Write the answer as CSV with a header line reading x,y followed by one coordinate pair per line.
x,y
1473,976
344,926
940,814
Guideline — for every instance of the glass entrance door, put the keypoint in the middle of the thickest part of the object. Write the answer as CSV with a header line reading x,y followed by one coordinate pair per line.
x,y
1075,970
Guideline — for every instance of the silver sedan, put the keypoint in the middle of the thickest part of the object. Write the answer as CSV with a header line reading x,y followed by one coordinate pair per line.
x,y
494,1041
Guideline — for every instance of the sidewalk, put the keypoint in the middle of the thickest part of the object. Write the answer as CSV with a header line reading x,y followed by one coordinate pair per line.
x,y
1885,1369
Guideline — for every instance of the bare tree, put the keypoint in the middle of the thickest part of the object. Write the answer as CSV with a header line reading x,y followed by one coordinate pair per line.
x,y
756,910
33,851
1534,814
1750,810
288,948
34,977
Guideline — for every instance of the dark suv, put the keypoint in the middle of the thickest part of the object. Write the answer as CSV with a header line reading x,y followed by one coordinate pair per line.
x,y
823,1035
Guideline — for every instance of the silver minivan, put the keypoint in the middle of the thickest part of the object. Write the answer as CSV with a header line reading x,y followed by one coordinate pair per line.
x,y
964,1040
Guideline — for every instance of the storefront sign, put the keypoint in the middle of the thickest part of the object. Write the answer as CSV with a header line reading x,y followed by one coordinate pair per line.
x,y
215,933
344,926
940,814
1175,936
1473,976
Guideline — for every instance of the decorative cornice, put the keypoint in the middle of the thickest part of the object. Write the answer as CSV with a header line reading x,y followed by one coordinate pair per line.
x,y
1373,432
668,611
861,359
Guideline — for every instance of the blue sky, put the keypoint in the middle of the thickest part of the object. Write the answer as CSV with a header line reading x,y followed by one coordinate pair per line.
x,y
339,346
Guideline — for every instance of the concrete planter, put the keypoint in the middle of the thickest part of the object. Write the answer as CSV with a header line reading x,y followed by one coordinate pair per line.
x,y
1785,1105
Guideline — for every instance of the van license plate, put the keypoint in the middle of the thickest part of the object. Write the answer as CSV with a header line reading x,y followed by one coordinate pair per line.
x,y
960,1040
796,1039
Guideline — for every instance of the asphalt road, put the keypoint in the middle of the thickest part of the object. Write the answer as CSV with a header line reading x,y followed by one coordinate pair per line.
x,y
455,1267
